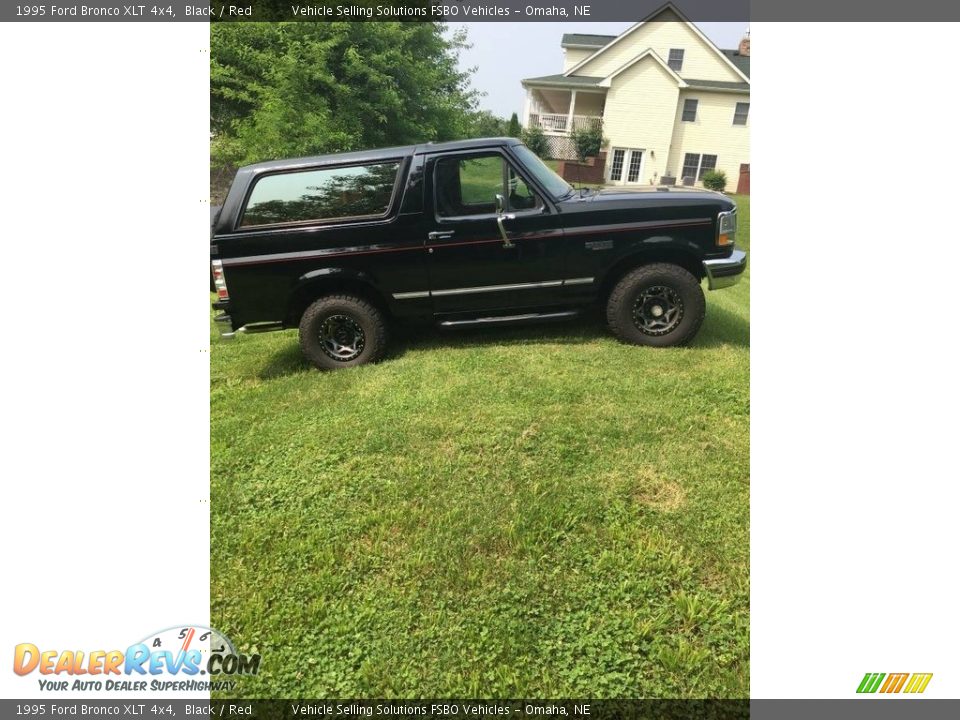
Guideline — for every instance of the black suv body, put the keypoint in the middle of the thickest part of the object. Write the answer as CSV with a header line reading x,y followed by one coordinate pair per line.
x,y
460,233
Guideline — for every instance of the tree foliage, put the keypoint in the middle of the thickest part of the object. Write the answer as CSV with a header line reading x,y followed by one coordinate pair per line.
x,y
588,142
513,129
485,124
534,139
291,89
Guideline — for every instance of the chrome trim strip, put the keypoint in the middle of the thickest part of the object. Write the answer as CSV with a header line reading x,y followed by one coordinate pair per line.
x,y
510,318
491,288
496,288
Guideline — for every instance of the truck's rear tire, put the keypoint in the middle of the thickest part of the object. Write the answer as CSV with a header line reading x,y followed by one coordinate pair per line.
x,y
660,305
341,331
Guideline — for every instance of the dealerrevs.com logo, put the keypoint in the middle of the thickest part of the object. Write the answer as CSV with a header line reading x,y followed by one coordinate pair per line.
x,y
182,658
910,683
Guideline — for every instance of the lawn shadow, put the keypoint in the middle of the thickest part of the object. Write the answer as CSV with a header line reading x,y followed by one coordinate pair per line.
x,y
420,337
286,361
722,327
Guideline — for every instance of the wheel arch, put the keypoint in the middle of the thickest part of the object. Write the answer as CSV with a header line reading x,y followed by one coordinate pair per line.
x,y
647,256
328,281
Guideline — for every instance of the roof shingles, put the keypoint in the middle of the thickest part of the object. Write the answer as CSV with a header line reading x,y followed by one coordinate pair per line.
x,y
597,41
717,85
741,61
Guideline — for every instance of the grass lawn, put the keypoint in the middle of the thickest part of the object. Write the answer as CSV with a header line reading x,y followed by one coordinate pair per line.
x,y
526,512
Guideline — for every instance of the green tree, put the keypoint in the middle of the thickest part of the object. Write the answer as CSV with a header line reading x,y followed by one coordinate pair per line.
x,y
588,142
513,130
290,89
485,124
534,139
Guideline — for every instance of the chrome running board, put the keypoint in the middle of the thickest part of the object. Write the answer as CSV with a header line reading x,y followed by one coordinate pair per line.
x,y
499,319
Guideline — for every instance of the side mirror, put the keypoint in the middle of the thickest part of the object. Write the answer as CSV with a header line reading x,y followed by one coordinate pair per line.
x,y
499,203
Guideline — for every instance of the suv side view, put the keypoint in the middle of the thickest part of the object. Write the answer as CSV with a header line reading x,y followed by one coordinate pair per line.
x,y
465,233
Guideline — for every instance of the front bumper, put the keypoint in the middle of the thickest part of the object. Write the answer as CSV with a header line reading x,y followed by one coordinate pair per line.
x,y
724,272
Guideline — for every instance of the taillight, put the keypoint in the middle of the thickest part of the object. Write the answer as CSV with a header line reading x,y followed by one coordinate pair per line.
x,y
219,281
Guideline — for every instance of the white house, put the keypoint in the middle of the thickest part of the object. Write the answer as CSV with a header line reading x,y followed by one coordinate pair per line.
x,y
671,103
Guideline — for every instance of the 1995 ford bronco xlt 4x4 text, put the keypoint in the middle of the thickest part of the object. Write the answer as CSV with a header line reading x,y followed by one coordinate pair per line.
x,y
461,233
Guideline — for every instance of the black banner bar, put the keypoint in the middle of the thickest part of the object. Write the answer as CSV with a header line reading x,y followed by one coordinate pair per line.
x,y
873,708
573,11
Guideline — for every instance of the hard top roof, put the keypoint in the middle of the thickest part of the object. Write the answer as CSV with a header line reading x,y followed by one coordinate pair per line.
x,y
389,153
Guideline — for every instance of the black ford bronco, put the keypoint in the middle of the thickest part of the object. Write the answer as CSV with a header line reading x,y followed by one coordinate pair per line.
x,y
460,233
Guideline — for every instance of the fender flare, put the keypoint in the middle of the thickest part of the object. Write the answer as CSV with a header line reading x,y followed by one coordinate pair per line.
x,y
307,285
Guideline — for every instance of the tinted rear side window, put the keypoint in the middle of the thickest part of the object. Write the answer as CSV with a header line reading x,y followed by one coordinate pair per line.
x,y
317,195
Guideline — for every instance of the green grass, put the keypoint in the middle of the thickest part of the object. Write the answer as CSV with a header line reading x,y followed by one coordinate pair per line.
x,y
537,511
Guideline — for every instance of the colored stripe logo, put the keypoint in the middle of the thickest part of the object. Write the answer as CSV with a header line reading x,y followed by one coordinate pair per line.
x,y
894,682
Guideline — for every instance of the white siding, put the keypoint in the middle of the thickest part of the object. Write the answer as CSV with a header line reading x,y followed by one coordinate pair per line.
x,y
713,133
571,56
700,61
640,110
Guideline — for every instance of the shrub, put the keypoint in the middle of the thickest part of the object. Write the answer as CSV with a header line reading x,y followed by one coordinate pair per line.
x,y
534,139
715,180
588,142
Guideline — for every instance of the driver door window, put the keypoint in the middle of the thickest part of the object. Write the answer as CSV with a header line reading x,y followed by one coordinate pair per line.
x,y
468,186
521,197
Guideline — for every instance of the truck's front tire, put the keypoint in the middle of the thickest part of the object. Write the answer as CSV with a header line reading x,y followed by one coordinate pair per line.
x,y
660,305
340,331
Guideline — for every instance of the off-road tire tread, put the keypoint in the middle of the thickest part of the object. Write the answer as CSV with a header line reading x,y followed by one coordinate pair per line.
x,y
375,341
620,323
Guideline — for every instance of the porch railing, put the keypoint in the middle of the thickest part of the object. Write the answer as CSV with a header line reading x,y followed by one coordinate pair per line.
x,y
556,122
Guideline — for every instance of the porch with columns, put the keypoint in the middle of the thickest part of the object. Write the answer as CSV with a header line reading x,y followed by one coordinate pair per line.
x,y
560,111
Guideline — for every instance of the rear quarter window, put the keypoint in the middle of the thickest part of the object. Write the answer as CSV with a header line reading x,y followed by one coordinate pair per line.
x,y
319,195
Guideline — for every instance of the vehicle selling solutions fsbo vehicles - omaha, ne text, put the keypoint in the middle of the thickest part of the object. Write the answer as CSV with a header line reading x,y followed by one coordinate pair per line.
x,y
461,233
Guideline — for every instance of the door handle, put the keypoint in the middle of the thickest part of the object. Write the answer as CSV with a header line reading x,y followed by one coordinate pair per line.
x,y
503,231
440,235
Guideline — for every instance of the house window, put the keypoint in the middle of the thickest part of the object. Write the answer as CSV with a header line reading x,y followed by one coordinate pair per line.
x,y
740,114
707,163
689,110
695,165
676,60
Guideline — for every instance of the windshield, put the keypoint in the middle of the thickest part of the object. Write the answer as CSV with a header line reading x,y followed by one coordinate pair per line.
x,y
555,185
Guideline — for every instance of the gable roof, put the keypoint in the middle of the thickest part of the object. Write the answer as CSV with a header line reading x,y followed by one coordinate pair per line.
x,y
662,9
583,40
645,54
